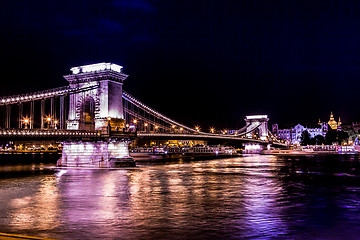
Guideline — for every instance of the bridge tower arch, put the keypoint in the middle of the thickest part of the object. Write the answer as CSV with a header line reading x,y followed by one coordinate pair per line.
x,y
87,110
259,122
102,103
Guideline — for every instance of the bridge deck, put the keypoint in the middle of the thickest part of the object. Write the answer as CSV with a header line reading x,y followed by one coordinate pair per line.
x,y
203,136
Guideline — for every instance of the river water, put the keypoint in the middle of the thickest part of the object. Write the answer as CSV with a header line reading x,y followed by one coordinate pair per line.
x,y
250,197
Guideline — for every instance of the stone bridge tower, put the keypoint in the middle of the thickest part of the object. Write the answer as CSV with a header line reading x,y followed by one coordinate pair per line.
x,y
100,104
260,122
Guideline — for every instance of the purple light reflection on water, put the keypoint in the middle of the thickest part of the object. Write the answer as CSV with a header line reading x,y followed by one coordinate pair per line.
x,y
254,197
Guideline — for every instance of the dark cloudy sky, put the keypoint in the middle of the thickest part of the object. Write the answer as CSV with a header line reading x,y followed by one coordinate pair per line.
x,y
208,62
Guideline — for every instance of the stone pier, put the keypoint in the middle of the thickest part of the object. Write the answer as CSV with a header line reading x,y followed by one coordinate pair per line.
x,y
110,153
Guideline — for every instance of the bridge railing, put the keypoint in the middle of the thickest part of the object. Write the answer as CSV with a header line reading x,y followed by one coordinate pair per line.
x,y
48,133
55,92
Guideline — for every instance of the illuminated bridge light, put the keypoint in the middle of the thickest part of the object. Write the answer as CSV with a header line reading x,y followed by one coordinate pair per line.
x,y
257,117
96,67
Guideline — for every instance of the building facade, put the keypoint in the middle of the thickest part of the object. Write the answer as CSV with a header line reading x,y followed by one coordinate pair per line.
x,y
293,135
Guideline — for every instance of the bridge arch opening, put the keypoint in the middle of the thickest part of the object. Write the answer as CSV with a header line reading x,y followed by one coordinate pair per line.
x,y
87,114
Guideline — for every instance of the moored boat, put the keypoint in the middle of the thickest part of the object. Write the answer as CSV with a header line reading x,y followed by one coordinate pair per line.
x,y
287,152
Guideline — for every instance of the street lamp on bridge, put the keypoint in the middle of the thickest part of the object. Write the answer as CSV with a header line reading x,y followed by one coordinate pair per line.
x,y
48,120
26,122
109,125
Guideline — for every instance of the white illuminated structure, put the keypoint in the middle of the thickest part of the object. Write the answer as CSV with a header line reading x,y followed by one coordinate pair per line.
x,y
293,135
257,117
105,100
253,148
259,122
96,67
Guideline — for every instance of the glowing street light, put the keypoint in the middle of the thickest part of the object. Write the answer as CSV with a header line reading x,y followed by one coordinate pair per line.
x,y
145,124
48,120
26,122
212,130
56,123
135,121
197,128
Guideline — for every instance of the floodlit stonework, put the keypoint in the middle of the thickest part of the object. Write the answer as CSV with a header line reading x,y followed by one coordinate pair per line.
x,y
104,91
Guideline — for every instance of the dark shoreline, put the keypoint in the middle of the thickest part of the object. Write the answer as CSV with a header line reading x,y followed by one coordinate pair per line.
x,y
29,158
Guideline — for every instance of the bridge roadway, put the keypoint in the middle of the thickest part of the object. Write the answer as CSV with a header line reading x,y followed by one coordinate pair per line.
x,y
46,133
203,136
60,134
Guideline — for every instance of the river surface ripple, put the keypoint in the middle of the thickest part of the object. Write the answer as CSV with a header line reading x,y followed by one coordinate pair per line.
x,y
250,197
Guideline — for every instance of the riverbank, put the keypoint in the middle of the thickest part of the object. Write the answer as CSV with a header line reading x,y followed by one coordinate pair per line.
x,y
6,236
29,158
171,157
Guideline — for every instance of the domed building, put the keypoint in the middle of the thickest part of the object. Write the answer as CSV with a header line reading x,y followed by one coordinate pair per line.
x,y
332,123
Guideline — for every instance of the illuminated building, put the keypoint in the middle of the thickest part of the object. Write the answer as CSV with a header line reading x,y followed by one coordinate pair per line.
x,y
332,123
293,135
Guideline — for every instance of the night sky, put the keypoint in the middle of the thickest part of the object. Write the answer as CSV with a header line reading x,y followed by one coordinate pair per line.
x,y
199,62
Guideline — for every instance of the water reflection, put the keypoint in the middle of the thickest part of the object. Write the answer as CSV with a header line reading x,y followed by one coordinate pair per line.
x,y
261,192
30,207
253,197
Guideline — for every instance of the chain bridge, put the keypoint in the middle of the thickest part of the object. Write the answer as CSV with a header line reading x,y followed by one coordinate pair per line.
x,y
94,107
